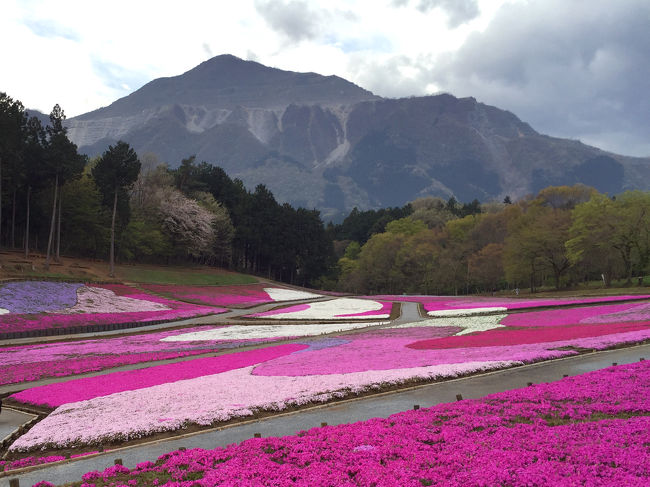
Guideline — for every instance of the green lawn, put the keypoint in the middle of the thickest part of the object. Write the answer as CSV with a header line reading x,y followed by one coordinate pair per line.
x,y
184,276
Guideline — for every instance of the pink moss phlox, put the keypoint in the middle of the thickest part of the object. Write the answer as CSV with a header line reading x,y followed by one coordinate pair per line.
x,y
563,434
289,309
177,310
229,296
437,303
54,395
611,313
390,349
513,336
32,362
29,462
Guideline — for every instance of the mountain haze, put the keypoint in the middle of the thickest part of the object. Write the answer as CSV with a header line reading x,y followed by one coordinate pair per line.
x,y
323,142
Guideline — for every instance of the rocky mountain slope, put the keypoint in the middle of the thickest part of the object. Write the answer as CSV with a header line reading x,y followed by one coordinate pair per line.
x,y
323,142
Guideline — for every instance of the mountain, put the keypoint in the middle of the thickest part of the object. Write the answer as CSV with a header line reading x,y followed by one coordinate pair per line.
x,y
323,142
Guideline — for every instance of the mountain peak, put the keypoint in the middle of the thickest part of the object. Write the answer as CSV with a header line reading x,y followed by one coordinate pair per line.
x,y
288,130
226,82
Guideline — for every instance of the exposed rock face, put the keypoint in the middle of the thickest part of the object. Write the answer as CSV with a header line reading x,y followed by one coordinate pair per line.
x,y
323,142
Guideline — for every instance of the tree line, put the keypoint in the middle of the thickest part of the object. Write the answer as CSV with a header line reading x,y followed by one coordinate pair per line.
x,y
560,237
136,209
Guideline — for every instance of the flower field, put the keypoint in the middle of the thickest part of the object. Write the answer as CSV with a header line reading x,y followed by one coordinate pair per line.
x,y
591,430
54,395
207,391
258,332
240,296
26,363
33,305
33,362
333,309
463,305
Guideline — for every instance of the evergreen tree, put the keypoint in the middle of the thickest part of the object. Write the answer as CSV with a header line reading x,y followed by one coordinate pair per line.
x,y
115,172
64,163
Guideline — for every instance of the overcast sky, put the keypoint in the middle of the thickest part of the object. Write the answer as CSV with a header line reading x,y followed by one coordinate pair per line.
x,y
571,68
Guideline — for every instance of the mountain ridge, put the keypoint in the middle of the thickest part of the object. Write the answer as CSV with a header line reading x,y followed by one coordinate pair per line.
x,y
323,142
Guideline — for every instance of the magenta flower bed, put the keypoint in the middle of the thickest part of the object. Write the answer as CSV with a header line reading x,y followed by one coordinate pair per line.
x,y
133,405
438,303
613,313
549,336
6,465
34,362
586,430
385,350
14,322
54,395
240,296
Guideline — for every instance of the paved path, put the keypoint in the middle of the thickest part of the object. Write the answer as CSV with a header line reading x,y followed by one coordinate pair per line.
x,y
381,405
410,313
11,420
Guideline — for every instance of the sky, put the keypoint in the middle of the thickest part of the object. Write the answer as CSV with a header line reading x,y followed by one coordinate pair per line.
x,y
577,69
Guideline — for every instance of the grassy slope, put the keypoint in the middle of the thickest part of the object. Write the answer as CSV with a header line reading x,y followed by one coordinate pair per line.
x,y
15,266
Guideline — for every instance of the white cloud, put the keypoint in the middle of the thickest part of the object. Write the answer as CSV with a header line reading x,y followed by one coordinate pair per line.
x,y
527,56
84,55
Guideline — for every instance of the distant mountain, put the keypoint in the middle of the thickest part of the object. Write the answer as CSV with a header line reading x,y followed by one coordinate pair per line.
x,y
45,119
323,142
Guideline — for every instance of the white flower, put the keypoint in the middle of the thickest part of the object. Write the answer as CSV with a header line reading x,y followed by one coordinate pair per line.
x,y
278,294
467,311
469,324
340,308
100,300
242,332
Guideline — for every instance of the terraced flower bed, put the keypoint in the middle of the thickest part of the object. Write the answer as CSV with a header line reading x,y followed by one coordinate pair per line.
x,y
333,309
315,370
241,296
33,362
591,429
29,306
469,305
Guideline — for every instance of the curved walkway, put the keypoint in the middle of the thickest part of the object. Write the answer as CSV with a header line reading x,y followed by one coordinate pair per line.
x,y
11,420
380,405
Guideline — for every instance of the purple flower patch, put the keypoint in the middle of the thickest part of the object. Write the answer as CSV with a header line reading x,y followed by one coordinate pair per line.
x,y
38,296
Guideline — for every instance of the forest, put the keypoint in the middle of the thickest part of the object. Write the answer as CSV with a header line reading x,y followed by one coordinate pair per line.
x,y
58,202
559,238
133,208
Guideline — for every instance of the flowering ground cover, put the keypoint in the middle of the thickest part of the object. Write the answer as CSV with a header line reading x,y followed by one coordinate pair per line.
x,y
239,332
318,370
205,401
241,296
33,305
6,465
458,305
591,430
54,395
333,309
37,297
613,313
33,362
